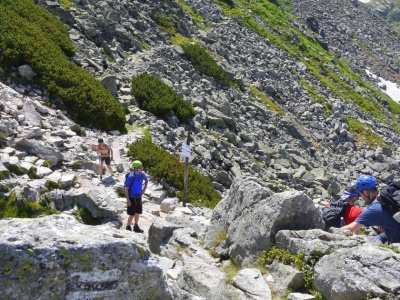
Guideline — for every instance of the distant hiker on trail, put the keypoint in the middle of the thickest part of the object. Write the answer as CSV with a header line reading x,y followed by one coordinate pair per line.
x,y
376,214
342,211
105,153
134,191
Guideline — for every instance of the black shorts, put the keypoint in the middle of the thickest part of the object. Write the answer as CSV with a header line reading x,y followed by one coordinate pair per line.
x,y
107,160
136,206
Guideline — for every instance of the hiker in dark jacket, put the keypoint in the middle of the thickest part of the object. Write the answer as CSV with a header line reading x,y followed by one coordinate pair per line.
x,y
375,214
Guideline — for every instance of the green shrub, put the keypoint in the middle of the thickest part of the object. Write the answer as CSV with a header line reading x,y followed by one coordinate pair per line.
x,y
203,62
166,24
295,260
30,35
78,130
158,98
16,170
51,185
11,208
87,217
32,173
163,165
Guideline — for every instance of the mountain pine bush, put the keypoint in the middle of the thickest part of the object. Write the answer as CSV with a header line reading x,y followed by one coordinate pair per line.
x,y
163,165
158,98
203,62
30,35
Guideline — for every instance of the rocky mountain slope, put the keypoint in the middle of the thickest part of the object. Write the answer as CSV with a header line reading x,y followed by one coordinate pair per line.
x,y
329,132
302,116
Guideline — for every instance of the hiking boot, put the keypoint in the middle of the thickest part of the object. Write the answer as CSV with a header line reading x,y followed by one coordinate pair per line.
x,y
136,228
101,178
129,228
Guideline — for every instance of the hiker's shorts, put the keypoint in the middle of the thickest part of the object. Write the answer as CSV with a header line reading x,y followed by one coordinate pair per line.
x,y
107,160
136,206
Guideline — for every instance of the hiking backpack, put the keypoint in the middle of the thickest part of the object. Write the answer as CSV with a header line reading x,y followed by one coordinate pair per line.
x,y
333,214
133,174
390,198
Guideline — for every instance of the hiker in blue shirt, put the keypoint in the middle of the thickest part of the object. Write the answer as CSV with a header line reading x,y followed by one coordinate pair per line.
x,y
133,192
375,214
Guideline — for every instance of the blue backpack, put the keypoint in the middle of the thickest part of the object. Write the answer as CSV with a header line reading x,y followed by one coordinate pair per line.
x,y
135,177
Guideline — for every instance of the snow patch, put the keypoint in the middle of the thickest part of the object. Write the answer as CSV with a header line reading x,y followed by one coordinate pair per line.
x,y
391,89
364,1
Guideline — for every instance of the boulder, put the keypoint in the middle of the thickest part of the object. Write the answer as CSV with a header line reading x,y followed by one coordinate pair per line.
x,y
38,148
101,204
63,259
250,216
356,273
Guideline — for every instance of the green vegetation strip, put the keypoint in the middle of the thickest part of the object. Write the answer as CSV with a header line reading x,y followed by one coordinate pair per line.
x,y
271,105
158,98
364,134
10,207
163,165
319,62
203,62
30,35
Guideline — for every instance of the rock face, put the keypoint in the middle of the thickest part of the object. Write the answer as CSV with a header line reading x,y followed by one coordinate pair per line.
x,y
352,274
55,257
250,216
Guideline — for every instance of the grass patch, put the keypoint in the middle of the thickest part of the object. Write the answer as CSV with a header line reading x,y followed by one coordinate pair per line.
x,y
30,35
364,134
317,97
87,217
158,98
3,141
231,270
166,23
10,207
163,165
192,13
219,237
46,164
271,105
296,261
179,39
66,4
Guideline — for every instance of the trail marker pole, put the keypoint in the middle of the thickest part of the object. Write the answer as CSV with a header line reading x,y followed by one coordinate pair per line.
x,y
186,151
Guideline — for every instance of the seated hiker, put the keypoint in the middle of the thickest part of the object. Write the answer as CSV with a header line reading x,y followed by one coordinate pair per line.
x,y
376,214
105,153
342,211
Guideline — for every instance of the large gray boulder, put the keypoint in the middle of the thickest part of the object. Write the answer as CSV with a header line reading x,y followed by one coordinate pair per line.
x,y
318,242
101,203
356,273
55,257
39,149
250,216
